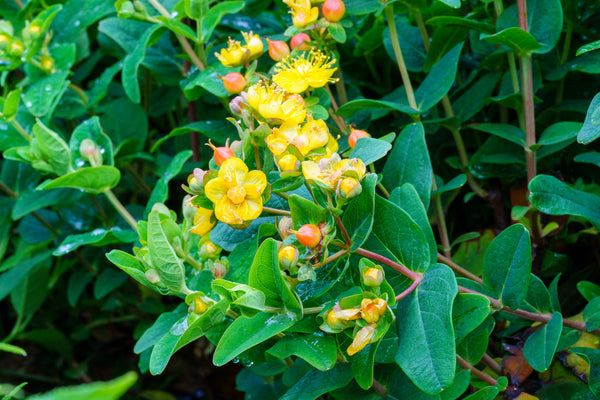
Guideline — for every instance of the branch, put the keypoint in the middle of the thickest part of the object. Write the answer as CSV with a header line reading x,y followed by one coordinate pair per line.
x,y
484,377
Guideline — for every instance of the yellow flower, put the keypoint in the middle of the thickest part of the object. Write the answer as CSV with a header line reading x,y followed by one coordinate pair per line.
x,y
311,136
273,103
296,74
202,221
302,13
235,54
237,193
328,172
362,338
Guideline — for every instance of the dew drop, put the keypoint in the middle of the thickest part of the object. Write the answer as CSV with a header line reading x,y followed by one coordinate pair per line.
x,y
77,23
28,104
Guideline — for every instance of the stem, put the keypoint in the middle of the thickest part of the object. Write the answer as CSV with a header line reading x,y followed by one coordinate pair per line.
x,y
422,28
457,268
490,362
441,218
338,121
333,102
18,3
526,77
343,229
331,258
81,93
313,310
389,13
257,157
379,388
412,287
121,209
484,377
20,129
379,184
341,88
277,211
189,259
392,264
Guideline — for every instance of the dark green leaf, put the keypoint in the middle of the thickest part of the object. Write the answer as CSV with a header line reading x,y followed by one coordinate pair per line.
x,y
505,131
111,390
217,130
591,314
160,193
590,131
593,157
413,50
559,132
468,312
370,150
588,290
97,237
214,15
318,349
32,200
541,345
593,356
50,148
41,98
315,383
463,22
91,180
358,217
77,283
107,281
518,40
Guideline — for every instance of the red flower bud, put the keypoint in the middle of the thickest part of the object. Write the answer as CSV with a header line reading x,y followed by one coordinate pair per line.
x,y
334,10
300,40
309,235
355,135
278,50
221,153
234,82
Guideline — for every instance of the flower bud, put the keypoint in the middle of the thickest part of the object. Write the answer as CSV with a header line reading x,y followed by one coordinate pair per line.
x,y
362,338
16,48
219,268
309,235
288,257
139,6
35,30
221,153
4,39
235,105
348,188
289,162
189,210
373,277
369,311
152,276
236,146
209,250
234,82
355,135
198,306
89,150
300,40
127,9
254,44
278,50
381,305
285,225
47,63
334,10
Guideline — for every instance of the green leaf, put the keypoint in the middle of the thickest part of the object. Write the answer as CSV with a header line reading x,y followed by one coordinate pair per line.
x,y
468,312
316,383
455,183
426,351
541,345
588,47
362,365
51,149
476,96
92,180
361,7
77,283
593,357
91,129
486,393
164,259
11,104
214,15
318,349
407,198
97,238
592,157
207,80
409,162
32,200
160,193
590,131
245,333
462,22
553,197
591,314
195,8
216,130
107,281
337,32
42,97
306,212
401,387
559,132
11,278
370,150
131,266
444,39
110,390
505,131
588,290
544,19
249,300
177,27
451,3
160,328
9,348
518,40
538,297
507,265
400,235
265,276
358,217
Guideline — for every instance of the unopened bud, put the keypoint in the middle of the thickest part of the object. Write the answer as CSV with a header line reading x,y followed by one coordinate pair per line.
x,y
369,311
234,82
35,30
152,276
278,49
236,146
198,306
373,277
219,268
4,39
209,250
334,10
139,6
288,257
289,162
348,188
89,150
285,225
189,210
127,9
16,48
221,153
355,135
235,105
300,41
47,63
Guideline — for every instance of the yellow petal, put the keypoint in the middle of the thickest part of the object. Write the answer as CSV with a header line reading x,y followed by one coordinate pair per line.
x,y
250,209
225,211
361,339
310,170
202,222
216,189
254,182
277,143
232,171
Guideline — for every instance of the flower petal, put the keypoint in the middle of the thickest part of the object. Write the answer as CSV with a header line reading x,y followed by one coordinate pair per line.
x,y
251,208
254,182
232,171
225,211
216,189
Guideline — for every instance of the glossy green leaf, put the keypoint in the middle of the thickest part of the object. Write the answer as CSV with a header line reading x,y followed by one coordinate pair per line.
x,y
306,212
400,235
409,162
592,157
413,50
316,383
486,393
538,297
11,104
33,200
358,217
551,196
455,183
164,259
541,345
42,97
92,180
588,47
444,39
518,40
337,32
318,349
216,130
370,150
468,312
476,96
401,387
249,300
160,328
97,237
110,390
30,293
507,265
76,285
107,281
361,7
50,148
559,132
443,20
426,351
245,333
593,357
590,131
14,276
91,129
505,131
591,314
160,193
214,15
362,364
588,290
131,266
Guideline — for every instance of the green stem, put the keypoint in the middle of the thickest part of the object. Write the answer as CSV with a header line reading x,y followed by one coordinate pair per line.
x,y
81,93
257,157
20,129
565,56
458,269
422,28
277,211
313,310
341,88
410,94
121,209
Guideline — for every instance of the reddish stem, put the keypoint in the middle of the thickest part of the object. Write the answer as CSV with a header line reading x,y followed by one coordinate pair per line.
x,y
410,289
392,264
484,377
343,229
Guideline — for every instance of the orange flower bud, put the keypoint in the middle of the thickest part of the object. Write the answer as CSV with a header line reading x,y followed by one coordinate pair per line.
x,y
288,257
362,338
300,40
289,162
278,49
234,82
373,277
309,235
369,311
221,153
334,10
355,135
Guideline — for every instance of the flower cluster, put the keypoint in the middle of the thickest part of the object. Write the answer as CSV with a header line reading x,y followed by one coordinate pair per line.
x,y
237,54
